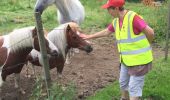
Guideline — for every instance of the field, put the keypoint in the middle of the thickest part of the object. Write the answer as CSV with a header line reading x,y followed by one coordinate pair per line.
x,y
88,73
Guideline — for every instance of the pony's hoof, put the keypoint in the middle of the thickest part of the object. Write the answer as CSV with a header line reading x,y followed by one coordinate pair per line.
x,y
22,91
68,61
16,86
59,76
76,50
28,76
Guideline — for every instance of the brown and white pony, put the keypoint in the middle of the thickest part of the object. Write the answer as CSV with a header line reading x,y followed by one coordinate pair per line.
x,y
67,11
15,47
64,37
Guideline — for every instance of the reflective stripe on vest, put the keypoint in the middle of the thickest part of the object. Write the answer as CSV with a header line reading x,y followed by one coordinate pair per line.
x,y
136,51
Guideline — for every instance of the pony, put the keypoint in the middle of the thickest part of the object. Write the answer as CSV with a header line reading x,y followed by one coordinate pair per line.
x,y
15,48
64,37
68,10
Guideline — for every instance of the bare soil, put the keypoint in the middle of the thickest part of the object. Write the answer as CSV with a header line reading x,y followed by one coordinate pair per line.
x,y
89,72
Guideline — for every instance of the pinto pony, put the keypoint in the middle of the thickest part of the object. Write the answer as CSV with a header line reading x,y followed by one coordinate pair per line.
x,y
68,11
64,37
15,48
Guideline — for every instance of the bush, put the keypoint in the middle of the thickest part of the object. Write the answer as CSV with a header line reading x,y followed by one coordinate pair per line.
x,y
57,91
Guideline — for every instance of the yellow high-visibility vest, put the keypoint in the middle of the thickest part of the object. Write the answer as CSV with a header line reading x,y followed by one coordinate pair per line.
x,y
133,49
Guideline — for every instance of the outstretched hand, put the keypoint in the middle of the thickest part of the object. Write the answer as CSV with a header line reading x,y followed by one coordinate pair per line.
x,y
84,36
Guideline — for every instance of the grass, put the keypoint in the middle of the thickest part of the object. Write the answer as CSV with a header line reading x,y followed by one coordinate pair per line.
x,y
156,85
57,91
20,13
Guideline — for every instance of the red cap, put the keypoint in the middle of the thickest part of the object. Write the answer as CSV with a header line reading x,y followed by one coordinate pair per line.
x,y
114,3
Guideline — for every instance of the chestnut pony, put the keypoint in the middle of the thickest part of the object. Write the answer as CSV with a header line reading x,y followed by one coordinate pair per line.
x,y
15,48
67,11
64,37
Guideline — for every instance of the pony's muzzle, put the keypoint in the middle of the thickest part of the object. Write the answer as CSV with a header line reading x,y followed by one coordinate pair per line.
x,y
88,48
54,53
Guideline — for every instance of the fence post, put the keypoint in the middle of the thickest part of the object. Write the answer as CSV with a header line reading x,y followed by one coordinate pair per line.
x,y
168,34
43,50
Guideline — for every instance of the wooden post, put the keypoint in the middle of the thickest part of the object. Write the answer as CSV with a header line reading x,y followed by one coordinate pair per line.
x,y
43,50
167,35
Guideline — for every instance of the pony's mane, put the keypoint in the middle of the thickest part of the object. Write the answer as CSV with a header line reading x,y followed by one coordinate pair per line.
x,y
20,38
58,37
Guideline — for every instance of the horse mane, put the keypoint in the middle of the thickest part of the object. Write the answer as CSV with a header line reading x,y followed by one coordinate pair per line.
x,y
58,37
20,38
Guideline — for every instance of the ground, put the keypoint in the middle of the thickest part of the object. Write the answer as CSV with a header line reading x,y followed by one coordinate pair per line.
x,y
90,72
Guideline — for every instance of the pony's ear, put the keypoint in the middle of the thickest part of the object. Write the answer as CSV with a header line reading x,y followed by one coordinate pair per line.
x,y
34,32
68,28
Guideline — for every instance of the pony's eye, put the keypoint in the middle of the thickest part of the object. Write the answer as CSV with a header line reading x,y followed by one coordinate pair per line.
x,y
74,37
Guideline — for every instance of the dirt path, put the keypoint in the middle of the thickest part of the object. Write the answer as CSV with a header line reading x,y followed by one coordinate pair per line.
x,y
90,72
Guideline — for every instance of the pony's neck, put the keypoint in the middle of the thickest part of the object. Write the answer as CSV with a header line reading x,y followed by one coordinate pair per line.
x,y
58,37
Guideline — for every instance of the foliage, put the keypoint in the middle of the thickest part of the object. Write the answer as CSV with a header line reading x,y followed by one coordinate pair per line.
x,y
57,91
155,17
156,85
107,93
37,90
20,13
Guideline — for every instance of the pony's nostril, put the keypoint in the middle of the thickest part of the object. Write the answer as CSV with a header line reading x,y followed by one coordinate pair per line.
x,y
89,49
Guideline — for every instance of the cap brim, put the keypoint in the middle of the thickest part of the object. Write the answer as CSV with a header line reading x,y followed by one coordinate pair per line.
x,y
105,6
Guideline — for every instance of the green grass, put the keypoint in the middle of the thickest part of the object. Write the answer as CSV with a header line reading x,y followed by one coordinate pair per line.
x,y
156,85
157,82
107,93
20,13
57,91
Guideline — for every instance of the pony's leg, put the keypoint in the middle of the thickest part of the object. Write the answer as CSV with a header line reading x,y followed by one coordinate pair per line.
x,y
1,81
34,71
1,97
76,50
68,57
16,80
18,83
59,70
